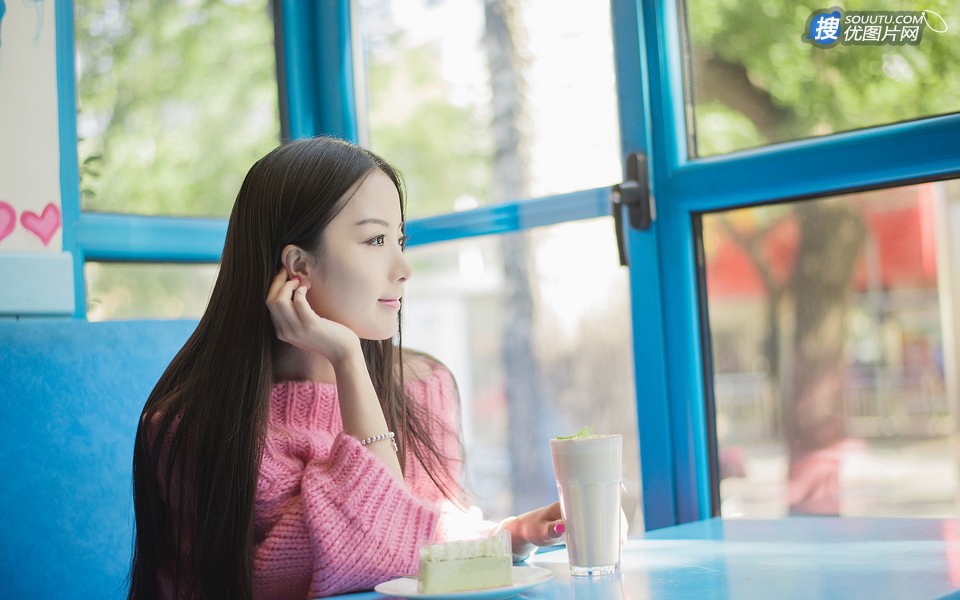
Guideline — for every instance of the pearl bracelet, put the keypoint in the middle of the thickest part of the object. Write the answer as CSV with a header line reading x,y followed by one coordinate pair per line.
x,y
383,436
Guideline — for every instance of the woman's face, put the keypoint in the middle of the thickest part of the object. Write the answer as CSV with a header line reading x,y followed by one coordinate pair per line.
x,y
362,268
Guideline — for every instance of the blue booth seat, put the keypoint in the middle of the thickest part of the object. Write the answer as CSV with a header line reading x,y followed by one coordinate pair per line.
x,y
70,395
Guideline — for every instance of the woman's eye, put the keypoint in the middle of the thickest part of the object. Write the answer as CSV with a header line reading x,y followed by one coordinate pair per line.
x,y
403,241
378,240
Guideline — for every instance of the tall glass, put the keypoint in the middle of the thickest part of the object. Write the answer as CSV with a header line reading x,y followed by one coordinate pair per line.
x,y
588,473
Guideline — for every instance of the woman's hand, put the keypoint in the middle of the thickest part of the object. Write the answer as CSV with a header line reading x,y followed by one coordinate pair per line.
x,y
297,324
540,527
543,527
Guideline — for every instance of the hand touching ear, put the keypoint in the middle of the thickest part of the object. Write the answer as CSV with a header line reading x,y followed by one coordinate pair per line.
x,y
298,324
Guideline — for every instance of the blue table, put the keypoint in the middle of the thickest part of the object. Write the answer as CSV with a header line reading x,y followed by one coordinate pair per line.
x,y
799,558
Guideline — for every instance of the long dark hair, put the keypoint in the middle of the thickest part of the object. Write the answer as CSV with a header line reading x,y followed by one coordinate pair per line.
x,y
197,452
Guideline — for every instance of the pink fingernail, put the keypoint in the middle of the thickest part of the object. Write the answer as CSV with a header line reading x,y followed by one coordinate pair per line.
x,y
559,529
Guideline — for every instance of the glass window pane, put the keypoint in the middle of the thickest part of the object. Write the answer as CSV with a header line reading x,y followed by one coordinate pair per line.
x,y
546,124
148,290
834,353
536,329
175,101
752,80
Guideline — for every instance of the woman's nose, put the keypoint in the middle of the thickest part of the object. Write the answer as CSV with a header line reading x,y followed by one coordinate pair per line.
x,y
403,269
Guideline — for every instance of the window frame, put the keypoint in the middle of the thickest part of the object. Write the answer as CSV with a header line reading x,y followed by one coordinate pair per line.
x,y
879,157
315,79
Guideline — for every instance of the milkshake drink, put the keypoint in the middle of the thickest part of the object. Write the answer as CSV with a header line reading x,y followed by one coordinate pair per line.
x,y
588,473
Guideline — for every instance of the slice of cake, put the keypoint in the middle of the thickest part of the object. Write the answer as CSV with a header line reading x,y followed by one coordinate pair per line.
x,y
466,565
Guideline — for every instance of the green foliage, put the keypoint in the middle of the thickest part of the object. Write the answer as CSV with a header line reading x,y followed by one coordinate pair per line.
x,y
147,291
815,91
441,148
176,100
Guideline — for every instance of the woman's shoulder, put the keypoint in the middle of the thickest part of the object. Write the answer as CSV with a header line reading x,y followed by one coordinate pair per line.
x,y
420,367
429,383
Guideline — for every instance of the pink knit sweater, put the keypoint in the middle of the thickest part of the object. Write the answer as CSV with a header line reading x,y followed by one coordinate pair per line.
x,y
329,518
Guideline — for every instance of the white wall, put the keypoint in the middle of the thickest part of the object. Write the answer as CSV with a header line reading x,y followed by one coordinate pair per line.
x,y
36,277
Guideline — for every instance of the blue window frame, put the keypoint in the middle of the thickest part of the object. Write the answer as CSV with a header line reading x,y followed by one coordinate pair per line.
x,y
317,96
911,152
315,76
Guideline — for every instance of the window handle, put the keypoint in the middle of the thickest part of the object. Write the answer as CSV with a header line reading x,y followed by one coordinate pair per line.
x,y
634,193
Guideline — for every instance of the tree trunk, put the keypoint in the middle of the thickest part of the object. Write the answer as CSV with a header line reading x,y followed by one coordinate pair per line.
x,y
809,372
530,469
832,235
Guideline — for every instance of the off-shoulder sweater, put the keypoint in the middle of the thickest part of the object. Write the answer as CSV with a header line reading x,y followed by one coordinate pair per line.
x,y
329,517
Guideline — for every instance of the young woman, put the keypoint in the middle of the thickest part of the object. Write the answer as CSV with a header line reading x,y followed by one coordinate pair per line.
x,y
291,450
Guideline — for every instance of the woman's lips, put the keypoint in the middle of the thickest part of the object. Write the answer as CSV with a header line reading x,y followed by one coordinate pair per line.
x,y
391,302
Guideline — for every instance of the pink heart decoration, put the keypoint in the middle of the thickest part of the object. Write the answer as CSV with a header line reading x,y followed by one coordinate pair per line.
x,y
8,219
43,226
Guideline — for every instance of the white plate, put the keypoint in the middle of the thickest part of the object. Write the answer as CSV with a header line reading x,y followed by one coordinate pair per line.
x,y
523,578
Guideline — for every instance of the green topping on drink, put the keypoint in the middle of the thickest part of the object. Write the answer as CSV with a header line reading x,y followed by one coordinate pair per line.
x,y
585,432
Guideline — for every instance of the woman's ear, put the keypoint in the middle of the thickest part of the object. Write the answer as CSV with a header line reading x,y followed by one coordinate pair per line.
x,y
296,261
